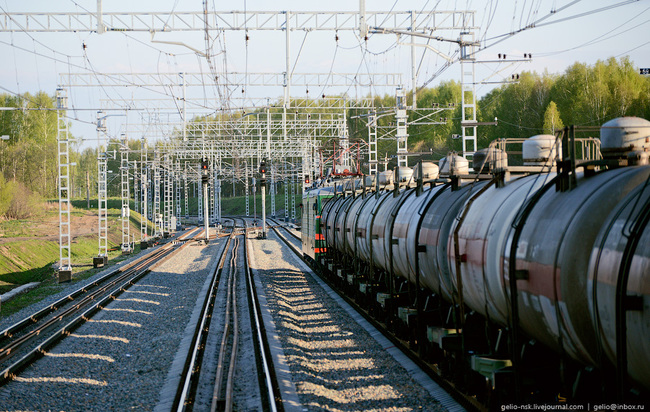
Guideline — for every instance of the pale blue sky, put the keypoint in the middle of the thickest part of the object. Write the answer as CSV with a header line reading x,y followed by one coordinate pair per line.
x,y
32,61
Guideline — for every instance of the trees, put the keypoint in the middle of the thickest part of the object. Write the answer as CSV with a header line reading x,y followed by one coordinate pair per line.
x,y
537,103
583,95
17,201
446,96
30,154
592,95
552,120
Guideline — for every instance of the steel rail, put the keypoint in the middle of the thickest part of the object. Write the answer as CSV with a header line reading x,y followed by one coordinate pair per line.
x,y
273,397
467,402
186,393
136,271
230,383
37,316
228,330
10,349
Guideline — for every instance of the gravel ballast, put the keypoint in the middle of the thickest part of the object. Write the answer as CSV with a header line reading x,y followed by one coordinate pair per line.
x,y
124,357
335,364
120,359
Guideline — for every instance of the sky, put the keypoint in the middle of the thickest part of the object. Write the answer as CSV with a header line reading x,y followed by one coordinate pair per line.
x,y
556,33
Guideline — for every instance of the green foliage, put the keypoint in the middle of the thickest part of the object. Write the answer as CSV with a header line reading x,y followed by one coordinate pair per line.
x,y
583,95
445,104
592,95
26,255
6,194
18,202
519,108
29,156
552,120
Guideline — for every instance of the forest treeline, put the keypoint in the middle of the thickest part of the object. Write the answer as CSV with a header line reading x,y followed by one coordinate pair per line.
x,y
585,95
536,103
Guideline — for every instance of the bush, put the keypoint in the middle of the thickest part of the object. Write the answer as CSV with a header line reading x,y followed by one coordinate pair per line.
x,y
6,194
18,202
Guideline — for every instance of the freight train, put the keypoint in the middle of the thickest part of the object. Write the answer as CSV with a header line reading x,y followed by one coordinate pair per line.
x,y
527,282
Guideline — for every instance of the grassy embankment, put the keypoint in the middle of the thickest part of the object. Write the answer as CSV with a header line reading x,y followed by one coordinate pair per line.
x,y
26,255
30,250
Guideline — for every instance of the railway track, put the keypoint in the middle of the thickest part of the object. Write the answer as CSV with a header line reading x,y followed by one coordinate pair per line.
x,y
232,273
32,337
293,235
294,243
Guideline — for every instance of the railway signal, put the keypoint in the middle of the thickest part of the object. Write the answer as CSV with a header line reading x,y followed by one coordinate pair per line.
x,y
205,171
263,169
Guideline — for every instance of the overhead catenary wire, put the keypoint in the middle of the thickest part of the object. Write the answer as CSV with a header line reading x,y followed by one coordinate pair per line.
x,y
604,37
23,96
541,22
527,14
489,42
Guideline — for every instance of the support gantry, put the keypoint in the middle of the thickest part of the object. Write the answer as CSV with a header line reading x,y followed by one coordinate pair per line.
x,y
63,145
166,22
102,196
468,99
125,196
144,184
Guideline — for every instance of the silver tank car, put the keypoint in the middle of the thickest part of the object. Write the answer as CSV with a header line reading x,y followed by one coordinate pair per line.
x,y
618,276
553,256
581,257
479,237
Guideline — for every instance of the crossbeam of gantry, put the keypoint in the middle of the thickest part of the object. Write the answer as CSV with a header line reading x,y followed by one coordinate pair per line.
x,y
212,104
153,22
196,149
314,125
189,79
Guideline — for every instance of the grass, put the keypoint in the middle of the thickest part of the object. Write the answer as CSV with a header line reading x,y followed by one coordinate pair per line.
x,y
17,228
237,205
35,260
25,255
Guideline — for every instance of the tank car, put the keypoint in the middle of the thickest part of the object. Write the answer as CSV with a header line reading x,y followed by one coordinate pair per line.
x,y
520,286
